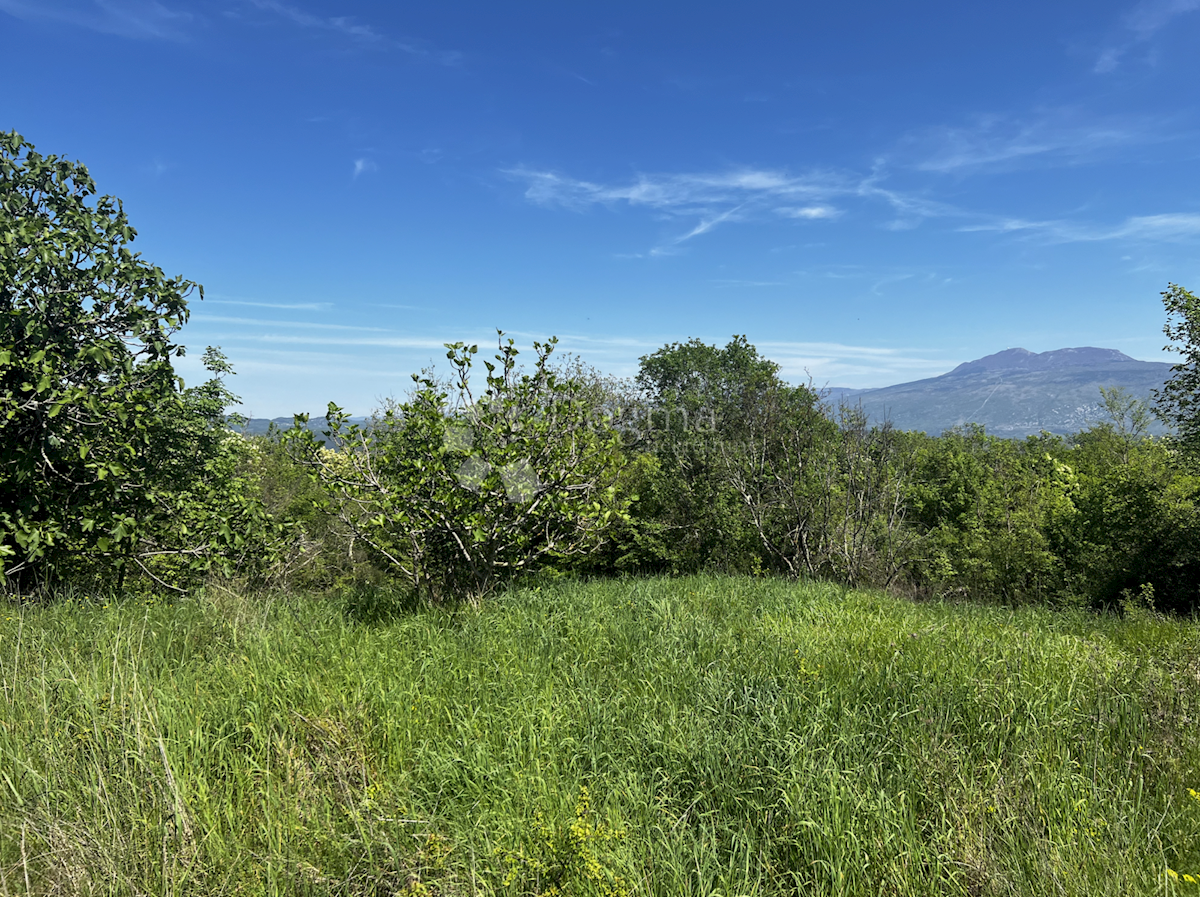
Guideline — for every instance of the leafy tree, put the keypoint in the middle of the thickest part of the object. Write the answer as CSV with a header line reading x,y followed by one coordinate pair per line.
x,y
751,473
1178,402
698,401
695,386
310,546
100,443
460,493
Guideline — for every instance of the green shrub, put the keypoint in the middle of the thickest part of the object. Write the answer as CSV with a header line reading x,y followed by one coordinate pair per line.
x,y
458,494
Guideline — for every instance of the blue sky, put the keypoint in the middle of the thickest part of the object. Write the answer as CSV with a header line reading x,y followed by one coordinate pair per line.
x,y
871,192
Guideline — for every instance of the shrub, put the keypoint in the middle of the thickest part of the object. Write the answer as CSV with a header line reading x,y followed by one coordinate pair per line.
x,y
458,494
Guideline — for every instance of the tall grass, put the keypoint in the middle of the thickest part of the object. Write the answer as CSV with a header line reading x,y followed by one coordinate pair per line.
x,y
695,736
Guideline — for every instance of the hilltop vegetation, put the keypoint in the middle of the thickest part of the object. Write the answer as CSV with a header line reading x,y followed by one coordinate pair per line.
x,y
479,643
114,476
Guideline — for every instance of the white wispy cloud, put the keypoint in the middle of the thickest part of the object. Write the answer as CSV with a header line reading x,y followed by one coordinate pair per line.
x,y
1140,25
710,199
810,212
292,306
680,193
1005,141
702,202
351,368
138,19
364,165
743,194
733,282
1168,227
842,350
348,27
200,318
1152,16
341,24
383,342
1174,226
842,364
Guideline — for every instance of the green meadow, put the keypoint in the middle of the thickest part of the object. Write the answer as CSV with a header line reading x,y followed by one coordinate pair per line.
x,y
643,736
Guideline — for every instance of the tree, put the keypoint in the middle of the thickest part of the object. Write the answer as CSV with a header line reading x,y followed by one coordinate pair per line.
x,y
459,494
98,438
698,400
1178,402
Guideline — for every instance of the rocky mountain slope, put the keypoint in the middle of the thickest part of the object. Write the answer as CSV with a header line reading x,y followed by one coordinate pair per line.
x,y
1013,393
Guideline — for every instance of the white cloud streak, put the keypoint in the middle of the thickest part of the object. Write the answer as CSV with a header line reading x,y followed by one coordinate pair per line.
x,y
340,24
136,19
686,193
839,364
743,194
711,199
748,194
811,213
199,318
1170,227
291,306
1142,23
1151,16
363,34
999,141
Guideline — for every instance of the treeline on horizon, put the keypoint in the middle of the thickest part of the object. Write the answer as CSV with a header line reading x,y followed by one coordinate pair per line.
x,y
708,461
115,477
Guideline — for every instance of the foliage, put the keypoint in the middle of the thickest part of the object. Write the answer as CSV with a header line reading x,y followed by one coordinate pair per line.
x,y
1178,402
1138,523
697,401
708,460
207,513
316,550
1129,416
739,470
824,495
987,509
459,494
106,463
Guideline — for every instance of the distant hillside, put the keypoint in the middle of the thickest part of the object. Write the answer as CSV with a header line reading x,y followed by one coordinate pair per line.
x,y
1013,393
260,426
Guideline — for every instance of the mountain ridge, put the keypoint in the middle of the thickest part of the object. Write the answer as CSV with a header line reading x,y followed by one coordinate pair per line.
x,y
1019,359
1013,392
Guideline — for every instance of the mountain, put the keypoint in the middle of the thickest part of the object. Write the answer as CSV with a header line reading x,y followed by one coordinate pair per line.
x,y
1013,393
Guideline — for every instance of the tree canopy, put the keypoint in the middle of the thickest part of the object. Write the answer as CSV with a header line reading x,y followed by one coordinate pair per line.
x,y
99,434
1178,402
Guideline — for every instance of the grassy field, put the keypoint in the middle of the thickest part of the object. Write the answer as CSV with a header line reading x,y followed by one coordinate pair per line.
x,y
689,736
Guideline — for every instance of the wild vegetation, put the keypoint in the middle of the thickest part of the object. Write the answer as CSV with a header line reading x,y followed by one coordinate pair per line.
x,y
695,632
113,474
694,735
